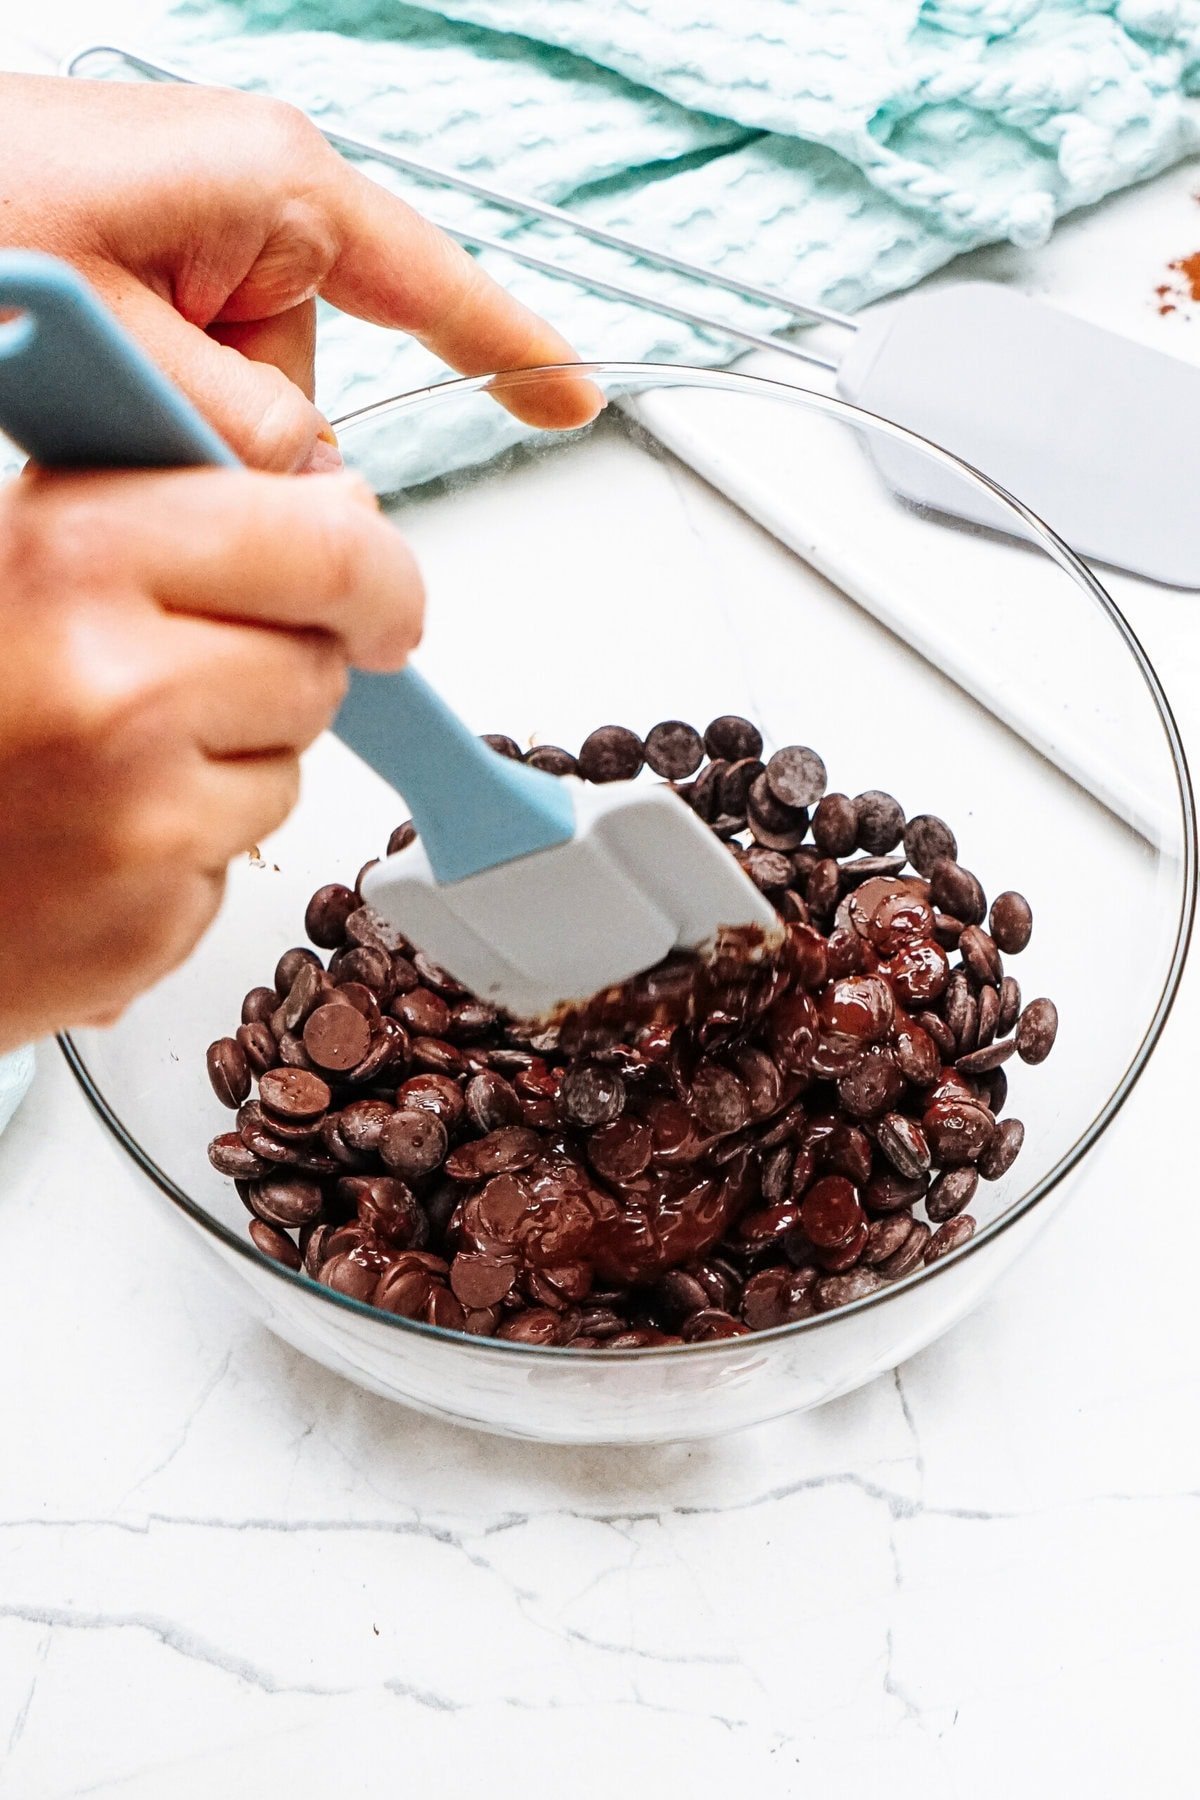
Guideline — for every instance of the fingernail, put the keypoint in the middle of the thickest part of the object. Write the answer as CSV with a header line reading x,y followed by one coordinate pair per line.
x,y
328,436
323,459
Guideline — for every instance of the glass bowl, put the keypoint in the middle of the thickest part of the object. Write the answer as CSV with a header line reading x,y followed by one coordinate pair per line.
x,y
717,543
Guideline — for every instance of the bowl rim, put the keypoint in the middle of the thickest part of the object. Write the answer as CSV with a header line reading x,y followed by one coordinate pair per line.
x,y
734,381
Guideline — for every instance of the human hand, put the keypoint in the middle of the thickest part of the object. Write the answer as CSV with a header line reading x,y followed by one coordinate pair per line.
x,y
210,220
172,641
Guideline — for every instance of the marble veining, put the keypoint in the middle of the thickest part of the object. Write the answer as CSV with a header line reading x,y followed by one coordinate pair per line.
x,y
224,1571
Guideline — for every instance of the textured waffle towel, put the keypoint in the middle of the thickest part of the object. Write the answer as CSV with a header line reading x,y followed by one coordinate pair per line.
x,y
838,149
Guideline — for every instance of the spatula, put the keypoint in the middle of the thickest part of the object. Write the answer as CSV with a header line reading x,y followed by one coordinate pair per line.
x,y
535,891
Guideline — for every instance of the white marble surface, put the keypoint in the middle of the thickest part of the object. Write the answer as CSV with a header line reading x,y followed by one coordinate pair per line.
x,y
223,1571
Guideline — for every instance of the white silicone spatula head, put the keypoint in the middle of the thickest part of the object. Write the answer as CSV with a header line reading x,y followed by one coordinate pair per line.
x,y
640,876
1095,433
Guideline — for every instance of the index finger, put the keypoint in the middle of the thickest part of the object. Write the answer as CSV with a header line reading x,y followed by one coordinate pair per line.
x,y
394,268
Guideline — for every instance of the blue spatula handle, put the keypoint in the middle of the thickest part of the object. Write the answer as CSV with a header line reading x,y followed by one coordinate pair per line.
x,y
77,392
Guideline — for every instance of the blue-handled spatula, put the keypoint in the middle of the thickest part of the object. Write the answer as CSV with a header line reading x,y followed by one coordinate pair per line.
x,y
535,891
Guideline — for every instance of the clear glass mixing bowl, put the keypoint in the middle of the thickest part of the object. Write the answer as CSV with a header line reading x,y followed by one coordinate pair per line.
x,y
716,543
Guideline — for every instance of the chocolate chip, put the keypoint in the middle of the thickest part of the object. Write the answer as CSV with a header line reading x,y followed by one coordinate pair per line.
x,y
885,1237
1011,922
982,1062
361,1123
730,737
337,1037
908,1255
367,968
422,1012
988,1005
869,868
502,1152
674,749
947,930
274,1243
955,890
949,1236
1003,1150
438,1094
957,1132
1010,1006
413,1143
290,965
835,825
326,914
537,1324
880,821
294,1093
678,1294
387,1053
258,1005
916,1055
366,926
833,1291
710,1326
767,869
782,838
997,1086
980,955
310,987
610,753
621,1150
1037,1030
961,1015
796,776
480,1279
492,1102
230,1156
404,835
830,1213
872,1088
951,1194
259,1046
736,781
292,1054
503,745
590,1094
889,1192
552,760
926,840
287,1200
904,1144
824,886
779,1296
228,1071
940,1030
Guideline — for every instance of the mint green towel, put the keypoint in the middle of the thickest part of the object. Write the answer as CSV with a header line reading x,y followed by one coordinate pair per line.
x,y
839,149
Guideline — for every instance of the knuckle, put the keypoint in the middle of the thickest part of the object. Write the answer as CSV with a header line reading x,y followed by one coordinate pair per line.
x,y
289,131
342,534
60,537
140,836
281,433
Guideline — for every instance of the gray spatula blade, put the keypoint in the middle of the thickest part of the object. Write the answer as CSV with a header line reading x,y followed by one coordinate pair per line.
x,y
1093,432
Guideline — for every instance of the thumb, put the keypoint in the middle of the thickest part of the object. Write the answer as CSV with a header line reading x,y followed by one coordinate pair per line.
x,y
262,415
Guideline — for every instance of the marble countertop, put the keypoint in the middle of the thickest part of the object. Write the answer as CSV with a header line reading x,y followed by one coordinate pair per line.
x,y
224,1571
